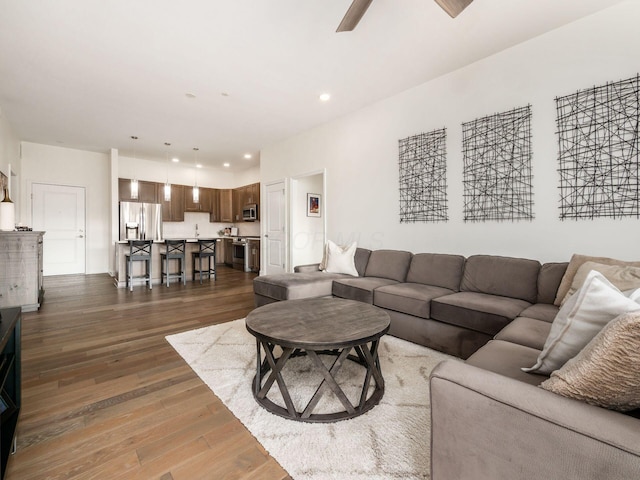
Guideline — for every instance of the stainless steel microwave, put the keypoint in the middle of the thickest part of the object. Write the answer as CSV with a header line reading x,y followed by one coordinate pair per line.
x,y
250,212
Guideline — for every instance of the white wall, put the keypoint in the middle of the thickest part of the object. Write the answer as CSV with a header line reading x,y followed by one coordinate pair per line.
x,y
66,166
10,156
360,151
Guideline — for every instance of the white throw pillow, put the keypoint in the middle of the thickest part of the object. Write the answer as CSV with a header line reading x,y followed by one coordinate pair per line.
x,y
580,319
341,259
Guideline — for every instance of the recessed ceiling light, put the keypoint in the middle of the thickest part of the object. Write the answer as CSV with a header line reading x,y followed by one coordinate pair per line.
x,y
189,95
199,165
175,160
247,156
226,164
324,97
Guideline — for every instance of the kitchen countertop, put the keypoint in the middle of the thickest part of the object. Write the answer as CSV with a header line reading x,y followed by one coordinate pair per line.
x,y
194,240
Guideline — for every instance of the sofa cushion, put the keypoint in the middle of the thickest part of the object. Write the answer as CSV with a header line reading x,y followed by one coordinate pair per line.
x,y
477,311
391,264
549,280
503,276
580,319
291,286
624,277
436,269
529,332
360,289
541,311
575,263
411,298
605,372
507,358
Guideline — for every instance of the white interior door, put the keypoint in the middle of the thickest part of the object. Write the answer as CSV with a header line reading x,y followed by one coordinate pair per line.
x,y
60,212
275,236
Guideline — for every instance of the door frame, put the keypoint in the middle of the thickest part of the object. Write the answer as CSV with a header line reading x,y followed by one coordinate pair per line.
x,y
292,221
31,183
263,224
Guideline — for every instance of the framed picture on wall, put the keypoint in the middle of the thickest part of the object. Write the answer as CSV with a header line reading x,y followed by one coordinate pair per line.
x,y
314,208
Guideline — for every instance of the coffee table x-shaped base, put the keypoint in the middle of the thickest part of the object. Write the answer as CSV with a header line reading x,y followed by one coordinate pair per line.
x,y
365,355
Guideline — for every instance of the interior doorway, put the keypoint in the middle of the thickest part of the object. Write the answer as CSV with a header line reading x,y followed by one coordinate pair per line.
x,y
59,211
275,230
308,218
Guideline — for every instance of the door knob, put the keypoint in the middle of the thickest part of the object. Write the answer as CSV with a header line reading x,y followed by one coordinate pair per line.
x,y
80,236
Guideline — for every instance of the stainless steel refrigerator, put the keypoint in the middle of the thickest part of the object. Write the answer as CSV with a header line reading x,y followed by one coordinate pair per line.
x,y
140,221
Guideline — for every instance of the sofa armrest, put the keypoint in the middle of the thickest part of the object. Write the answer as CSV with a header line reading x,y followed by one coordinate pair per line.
x,y
488,426
312,267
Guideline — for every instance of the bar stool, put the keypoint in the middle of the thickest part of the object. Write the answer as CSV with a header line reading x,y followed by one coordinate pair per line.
x,y
207,251
139,251
174,251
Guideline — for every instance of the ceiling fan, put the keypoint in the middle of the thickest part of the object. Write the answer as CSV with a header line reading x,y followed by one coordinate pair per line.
x,y
359,7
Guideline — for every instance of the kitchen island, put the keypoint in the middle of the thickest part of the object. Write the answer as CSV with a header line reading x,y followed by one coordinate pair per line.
x,y
122,247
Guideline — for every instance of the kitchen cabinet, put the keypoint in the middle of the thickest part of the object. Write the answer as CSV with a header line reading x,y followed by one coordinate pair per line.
x,y
228,251
173,210
204,203
214,213
147,191
237,202
254,255
243,196
21,272
226,205
252,193
10,381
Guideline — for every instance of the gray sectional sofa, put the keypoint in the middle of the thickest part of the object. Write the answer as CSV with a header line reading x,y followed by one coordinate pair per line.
x,y
489,418
447,302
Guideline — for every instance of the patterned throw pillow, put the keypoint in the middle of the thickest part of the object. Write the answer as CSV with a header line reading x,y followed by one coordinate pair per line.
x,y
605,373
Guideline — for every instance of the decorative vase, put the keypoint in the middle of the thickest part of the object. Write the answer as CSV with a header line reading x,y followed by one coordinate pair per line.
x,y
7,213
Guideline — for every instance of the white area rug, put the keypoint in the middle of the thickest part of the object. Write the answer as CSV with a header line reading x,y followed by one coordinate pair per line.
x,y
390,441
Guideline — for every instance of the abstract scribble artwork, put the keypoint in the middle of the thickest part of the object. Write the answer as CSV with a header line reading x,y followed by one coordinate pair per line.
x,y
423,177
598,151
497,167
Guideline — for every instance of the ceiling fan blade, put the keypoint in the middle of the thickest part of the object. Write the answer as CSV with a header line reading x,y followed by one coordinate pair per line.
x,y
353,15
453,7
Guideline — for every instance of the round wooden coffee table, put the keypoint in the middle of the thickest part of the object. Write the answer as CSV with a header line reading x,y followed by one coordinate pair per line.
x,y
313,327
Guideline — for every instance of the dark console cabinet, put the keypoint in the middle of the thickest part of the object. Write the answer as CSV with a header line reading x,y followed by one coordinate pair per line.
x,y
10,385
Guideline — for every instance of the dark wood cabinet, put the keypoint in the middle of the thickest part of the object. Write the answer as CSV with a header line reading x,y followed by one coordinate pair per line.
x,y
147,191
204,202
252,193
238,203
223,205
228,251
173,210
214,213
10,378
226,205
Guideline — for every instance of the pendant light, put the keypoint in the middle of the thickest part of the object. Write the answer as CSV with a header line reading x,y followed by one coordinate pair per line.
x,y
134,181
167,186
196,190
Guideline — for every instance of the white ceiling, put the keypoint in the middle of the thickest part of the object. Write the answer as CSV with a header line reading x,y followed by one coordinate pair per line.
x,y
88,74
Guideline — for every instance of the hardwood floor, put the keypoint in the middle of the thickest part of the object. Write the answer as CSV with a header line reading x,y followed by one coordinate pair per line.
x,y
105,396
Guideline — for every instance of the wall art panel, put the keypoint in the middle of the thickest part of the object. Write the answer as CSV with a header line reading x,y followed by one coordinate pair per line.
x,y
497,175
423,177
598,151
